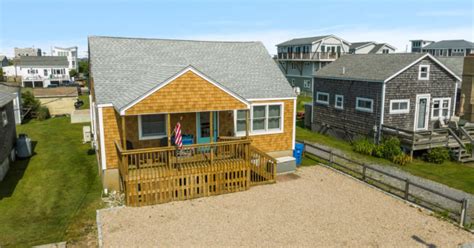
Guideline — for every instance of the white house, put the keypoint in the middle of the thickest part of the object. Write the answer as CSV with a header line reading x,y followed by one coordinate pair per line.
x,y
39,71
70,53
366,47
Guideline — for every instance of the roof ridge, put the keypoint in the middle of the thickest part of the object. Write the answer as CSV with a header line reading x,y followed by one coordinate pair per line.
x,y
162,39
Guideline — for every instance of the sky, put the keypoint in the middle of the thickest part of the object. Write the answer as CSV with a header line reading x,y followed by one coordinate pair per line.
x,y
47,23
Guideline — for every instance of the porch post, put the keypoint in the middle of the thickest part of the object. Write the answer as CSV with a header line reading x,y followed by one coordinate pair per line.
x,y
168,128
211,126
124,134
247,122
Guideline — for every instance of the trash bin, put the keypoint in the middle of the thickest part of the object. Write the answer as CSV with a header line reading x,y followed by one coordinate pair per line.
x,y
23,146
298,153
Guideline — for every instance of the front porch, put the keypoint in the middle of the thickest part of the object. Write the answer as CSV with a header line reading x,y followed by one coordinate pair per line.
x,y
212,161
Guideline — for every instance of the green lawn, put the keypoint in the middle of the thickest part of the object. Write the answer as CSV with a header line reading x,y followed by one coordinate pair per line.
x,y
450,173
52,196
85,98
301,100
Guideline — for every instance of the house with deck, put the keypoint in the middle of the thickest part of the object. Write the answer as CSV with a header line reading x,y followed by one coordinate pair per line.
x,y
300,58
187,119
409,95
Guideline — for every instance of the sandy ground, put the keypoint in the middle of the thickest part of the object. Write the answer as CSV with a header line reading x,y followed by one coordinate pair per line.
x,y
315,207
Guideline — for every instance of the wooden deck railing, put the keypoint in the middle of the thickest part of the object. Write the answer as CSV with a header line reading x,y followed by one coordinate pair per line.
x,y
310,56
162,174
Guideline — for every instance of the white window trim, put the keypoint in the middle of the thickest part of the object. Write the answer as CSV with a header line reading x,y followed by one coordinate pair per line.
x,y
342,102
4,118
238,133
267,131
400,111
371,110
427,72
140,135
440,99
319,101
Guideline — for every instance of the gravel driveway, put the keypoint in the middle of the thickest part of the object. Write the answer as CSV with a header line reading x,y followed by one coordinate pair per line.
x,y
314,207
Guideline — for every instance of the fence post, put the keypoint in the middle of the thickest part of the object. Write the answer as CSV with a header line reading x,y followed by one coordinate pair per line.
x,y
331,158
462,221
407,188
364,168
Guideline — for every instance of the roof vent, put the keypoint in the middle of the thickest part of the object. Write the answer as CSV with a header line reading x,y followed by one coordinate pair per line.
x,y
343,70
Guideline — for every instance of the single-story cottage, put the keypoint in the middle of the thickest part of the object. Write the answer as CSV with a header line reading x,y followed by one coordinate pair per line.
x,y
7,132
227,102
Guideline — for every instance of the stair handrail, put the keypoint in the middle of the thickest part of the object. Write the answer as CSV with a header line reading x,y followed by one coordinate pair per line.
x,y
456,138
471,140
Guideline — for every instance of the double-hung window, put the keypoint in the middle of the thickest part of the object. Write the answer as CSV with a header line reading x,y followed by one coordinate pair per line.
x,y
322,98
240,122
151,127
4,118
339,102
364,104
441,107
424,72
267,118
401,106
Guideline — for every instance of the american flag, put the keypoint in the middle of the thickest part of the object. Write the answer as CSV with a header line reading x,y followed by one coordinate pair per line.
x,y
178,139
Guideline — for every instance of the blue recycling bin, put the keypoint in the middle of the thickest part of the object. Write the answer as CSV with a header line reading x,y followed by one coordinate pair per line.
x,y
298,153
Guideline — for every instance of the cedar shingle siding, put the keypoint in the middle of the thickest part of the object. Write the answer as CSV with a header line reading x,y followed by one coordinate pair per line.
x,y
348,119
407,86
7,133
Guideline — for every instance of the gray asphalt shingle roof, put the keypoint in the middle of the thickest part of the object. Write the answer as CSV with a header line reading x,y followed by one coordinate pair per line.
x,y
42,61
455,64
368,67
302,41
125,69
5,98
446,44
377,48
355,45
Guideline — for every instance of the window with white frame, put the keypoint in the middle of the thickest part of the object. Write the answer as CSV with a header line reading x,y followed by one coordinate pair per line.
x,y
4,118
307,84
441,107
151,126
267,118
339,102
364,104
240,122
401,106
424,72
293,82
322,98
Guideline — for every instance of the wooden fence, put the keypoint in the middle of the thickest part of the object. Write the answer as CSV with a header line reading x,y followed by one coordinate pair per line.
x,y
363,172
158,175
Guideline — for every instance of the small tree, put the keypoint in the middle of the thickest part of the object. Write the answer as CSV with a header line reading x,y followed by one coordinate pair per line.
x,y
73,73
30,103
84,67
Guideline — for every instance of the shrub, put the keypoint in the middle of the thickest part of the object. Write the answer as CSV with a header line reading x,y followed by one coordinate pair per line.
x,y
378,151
42,113
402,159
436,155
363,146
29,101
391,148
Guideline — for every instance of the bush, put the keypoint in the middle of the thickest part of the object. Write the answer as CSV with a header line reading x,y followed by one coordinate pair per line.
x,y
363,146
378,151
73,73
436,155
391,148
42,113
402,159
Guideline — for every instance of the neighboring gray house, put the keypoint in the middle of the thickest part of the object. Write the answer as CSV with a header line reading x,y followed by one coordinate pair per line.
x,y
7,132
16,91
3,61
417,45
448,48
357,94
300,58
365,47
28,51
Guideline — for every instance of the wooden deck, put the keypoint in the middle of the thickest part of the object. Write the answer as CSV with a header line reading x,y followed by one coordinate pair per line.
x,y
163,174
456,140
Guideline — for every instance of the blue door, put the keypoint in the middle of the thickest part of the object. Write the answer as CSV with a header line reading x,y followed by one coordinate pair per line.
x,y
204,127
